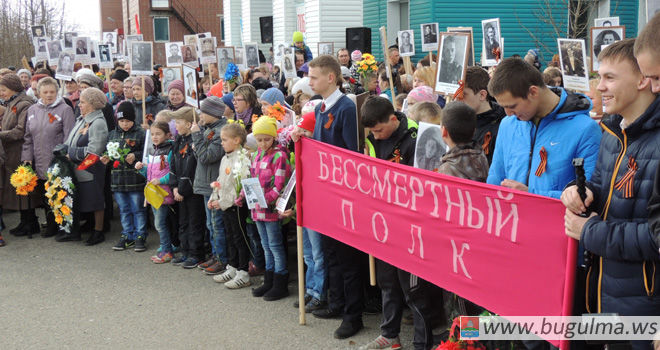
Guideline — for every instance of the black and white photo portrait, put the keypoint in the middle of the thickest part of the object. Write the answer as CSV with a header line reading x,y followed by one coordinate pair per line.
x,y
606,22
105,56
572,59
225,57
278,52
289,66
251,55
189,55
451,69
173,54
40,46
65,66
326,48
492,40
110,39
429,37
38,31
467,30
406,43
190,85
141,58
170,74
601,37
239,58
207,50
430,147
68,40
130,39
190,40
82,46
54,50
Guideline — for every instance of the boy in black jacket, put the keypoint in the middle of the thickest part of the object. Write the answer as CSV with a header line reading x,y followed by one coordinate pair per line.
x,y
126,183
393,138
191,206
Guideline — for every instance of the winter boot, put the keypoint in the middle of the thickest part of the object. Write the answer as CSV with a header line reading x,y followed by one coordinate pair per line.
x,y
21,225
96,238
280,288
268,284
31,223
51,225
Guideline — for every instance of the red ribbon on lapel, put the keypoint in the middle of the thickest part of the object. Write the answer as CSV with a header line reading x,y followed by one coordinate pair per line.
x,y
544,162
625,184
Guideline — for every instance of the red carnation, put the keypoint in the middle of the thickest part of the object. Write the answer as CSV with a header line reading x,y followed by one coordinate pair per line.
x,y
115,164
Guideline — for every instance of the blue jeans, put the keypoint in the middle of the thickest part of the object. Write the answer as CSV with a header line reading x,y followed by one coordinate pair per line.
x,y
271,239
255,246
217,229
133,214
314,259
160,222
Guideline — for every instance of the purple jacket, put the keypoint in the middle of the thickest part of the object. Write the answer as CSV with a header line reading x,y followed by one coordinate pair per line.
x,y
46,127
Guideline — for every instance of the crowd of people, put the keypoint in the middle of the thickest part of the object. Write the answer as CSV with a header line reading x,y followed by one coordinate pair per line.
x,y
511,125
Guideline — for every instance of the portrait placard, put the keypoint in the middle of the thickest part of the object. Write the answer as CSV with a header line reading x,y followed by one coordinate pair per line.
x,y
572,58
110,39
429,36
168,75
190,85
326,48
225,57
603,36
606,22
54,49
452,62
65,66
492,39
189,55
406,43
141,58
470,43
173,54
251,55
430,147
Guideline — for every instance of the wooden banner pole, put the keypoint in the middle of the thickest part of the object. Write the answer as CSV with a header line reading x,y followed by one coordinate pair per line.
x,y
144,104
383,35
301,277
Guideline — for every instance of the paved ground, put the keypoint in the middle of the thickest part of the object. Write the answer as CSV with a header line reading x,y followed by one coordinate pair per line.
x,y
69,296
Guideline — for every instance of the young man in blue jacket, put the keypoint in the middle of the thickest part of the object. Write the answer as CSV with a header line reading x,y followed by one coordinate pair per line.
x,y
617,231
544,130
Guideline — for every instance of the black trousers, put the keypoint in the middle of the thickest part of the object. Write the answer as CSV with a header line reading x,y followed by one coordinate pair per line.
x,y
345,275
424,299
192,226
394,300
238,252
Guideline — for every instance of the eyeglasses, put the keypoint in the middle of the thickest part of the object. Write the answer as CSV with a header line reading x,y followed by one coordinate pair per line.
x,y
237,99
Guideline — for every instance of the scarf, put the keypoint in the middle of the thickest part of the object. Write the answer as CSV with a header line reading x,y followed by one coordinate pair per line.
x,y
173,108
245,116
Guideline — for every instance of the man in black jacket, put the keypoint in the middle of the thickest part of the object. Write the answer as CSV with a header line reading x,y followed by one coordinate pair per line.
x,y
617,232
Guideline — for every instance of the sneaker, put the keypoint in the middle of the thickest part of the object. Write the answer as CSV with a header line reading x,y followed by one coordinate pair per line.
x,y
215,269
178,261
190,263
162,258
207,263
383,343
122,244
307,299
226,276
241,280
315,304
140,245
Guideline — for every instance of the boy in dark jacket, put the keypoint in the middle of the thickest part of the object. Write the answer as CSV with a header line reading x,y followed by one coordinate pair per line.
x,y
207,145
393,138
617,233
191,205
489,113
126,183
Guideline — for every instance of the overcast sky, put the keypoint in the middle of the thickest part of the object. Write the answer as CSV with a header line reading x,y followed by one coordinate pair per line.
x,y
85,13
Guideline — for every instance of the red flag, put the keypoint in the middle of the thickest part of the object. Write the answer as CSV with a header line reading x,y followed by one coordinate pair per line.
x,y
88,161
137,24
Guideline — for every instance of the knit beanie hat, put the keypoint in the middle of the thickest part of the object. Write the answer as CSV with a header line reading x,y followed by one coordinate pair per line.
x,y
308,121
423,94
274,95
12,82
265,125
302,85
227,99
176,84
38,77
213,106
82,71
148,84
91,80
125,110
310,106
356,55
297,37
184,113
21,71
120,75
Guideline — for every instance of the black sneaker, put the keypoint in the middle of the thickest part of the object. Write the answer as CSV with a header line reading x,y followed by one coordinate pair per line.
x,y
315,304
178,261
123,244
190,263
140,245
308,298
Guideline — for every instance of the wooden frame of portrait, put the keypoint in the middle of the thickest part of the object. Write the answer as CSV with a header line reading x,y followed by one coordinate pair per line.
x,y
620,30
162,75
465,30
191,93
443,87
218,58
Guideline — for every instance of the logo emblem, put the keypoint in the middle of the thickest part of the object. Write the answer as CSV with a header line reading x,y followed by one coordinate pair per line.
x,y
469,327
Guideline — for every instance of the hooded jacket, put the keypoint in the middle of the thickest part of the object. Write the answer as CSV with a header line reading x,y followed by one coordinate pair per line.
x,y
488,124
620,236
47,126
124,178
566,133
466,161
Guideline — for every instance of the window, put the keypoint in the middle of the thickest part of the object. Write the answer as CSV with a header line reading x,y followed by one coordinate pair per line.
x,y
222,28
161,29
160,3
398,18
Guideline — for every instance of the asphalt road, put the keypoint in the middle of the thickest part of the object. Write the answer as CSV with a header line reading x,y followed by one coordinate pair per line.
x,y
69,296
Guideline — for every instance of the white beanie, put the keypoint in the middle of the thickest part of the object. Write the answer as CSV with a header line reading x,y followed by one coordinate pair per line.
x,y
21,71
309,106
303,85
82,71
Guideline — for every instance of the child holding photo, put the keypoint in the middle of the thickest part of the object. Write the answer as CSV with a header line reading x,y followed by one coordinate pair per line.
x,y
271,168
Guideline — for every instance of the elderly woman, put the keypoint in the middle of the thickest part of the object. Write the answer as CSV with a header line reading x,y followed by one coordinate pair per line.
x,y
49,122
12,135
153,104
246,105
87,141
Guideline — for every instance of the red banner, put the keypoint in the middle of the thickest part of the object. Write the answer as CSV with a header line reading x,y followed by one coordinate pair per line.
x,y
504,250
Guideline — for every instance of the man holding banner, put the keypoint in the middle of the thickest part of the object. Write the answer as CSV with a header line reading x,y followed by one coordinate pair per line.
x,y
624,248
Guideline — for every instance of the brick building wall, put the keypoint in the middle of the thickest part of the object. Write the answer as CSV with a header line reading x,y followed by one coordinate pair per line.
x,y
205,12
112,9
